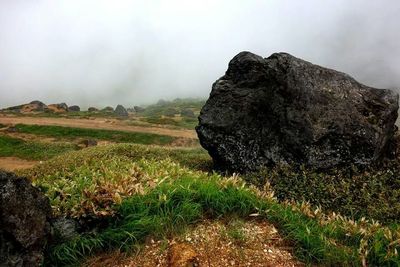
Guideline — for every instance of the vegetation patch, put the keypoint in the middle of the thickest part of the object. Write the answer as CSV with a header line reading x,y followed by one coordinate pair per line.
x,y
115,136
356,194
163,107
15,147
165,191
188,123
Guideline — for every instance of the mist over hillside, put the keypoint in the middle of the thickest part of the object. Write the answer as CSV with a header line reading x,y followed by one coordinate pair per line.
x,y
134,53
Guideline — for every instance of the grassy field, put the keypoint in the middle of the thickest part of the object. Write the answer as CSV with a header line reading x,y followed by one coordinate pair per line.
x,y
139,191
115,136
154,114
186,123
15,147
126,193
163,107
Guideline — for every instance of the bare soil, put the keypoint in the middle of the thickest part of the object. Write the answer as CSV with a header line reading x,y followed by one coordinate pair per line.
x,y
96,123
209,244
13,164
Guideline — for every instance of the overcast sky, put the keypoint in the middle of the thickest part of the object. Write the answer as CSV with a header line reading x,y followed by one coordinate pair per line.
x,y
101,53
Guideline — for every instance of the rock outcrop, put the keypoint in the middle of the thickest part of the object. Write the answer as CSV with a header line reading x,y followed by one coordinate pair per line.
x,y
74,108
25,214
58,108
284,110
138,109
34,106
121,111
108,109
93,109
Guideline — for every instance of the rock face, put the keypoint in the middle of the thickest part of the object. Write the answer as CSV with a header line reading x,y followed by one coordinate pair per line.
x,y
74,108
121,111
24,222
284,110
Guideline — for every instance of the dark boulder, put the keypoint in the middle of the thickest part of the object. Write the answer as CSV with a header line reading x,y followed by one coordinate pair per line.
x,y
108,109
92,109
74,108
25,214
38,106
121,111
88,142
64,229
284,110
138,109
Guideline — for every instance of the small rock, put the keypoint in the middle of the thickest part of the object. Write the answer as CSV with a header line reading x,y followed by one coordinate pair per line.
x,y
12,129
65,229
89,142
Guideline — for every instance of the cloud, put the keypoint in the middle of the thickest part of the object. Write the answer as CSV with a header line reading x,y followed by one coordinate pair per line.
x,y
101,52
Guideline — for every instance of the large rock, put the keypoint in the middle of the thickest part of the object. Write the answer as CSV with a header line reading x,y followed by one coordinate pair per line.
x,y
34,106
284,110
58,108
139,109
93,109
121,111
74,108
108,109
24,222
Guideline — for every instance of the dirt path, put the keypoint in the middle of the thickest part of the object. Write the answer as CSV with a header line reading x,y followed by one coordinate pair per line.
x,y
12,163
98,123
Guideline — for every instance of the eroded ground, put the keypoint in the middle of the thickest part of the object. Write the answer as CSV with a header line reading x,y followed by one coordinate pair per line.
x,y
13,163
211,243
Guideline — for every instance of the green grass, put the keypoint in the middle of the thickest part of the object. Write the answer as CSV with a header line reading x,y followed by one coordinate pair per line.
x,y
171,192
115,136
370,194
14,147
187,123
171,207
159,109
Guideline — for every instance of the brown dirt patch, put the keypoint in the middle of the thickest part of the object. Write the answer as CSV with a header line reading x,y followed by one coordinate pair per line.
x,y
216,244
13,164
97,123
